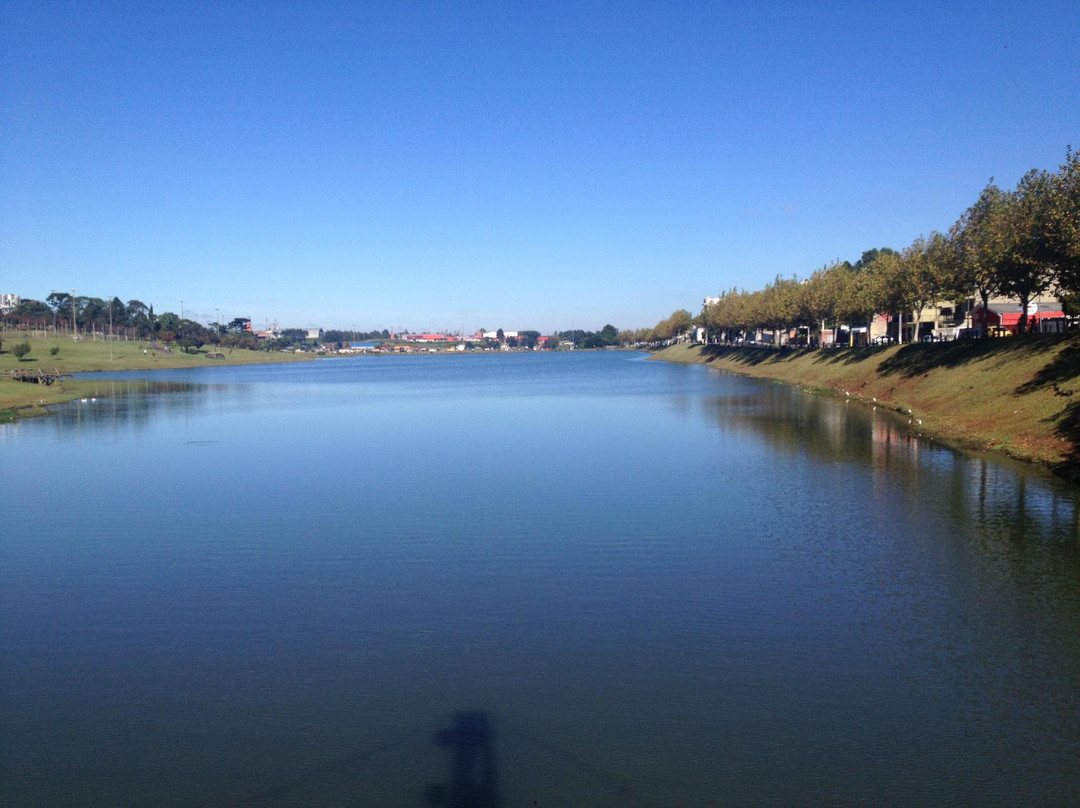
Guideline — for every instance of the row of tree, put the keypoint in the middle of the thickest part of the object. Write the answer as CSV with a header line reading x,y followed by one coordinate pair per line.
x,y
135,320
1019,243
65,313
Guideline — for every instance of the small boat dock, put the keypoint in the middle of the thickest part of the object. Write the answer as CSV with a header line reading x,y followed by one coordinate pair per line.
x,y
36,375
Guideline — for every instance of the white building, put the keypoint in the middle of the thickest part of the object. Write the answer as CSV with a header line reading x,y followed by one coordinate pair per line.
x,y
8,302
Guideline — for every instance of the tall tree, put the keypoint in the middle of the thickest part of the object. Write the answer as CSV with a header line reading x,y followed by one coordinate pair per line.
x,y
780,306
979,236
60,303
927,273
1027,264
870,256
1065,225
118,312
858,298
886,286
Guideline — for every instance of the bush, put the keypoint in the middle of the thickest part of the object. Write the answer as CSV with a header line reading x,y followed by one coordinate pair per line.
x,y
20,350
54,350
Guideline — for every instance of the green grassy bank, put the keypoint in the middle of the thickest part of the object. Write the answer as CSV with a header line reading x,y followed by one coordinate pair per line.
x,y
87,355
1016,396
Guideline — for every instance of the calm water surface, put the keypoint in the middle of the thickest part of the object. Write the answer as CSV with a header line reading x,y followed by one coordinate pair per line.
x,y
667,587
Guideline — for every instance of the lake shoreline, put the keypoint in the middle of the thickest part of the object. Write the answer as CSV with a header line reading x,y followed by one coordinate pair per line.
x,y
27,400
1014,397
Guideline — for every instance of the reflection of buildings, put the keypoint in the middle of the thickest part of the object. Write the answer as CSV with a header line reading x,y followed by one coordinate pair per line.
x,y
889,439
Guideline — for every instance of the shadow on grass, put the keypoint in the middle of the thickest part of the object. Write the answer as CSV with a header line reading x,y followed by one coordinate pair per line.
x,y
760,356
747,356
919,358
848,356
1067,426
1065,366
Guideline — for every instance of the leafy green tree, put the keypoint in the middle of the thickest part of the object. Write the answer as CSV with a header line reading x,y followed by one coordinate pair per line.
x,y
817,300
139,317
979,238
921,274
779,305
21,349
60,303
34,309
94,313
1027,266
680,322
858,296
870,256
729,315
191,336
1065,225
118,312
168,322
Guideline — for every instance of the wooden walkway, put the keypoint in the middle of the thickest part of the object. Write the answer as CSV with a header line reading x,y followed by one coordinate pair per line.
x,y
36,375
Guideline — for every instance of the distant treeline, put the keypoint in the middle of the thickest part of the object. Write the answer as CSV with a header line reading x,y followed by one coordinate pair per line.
x,y
1018,244
63,313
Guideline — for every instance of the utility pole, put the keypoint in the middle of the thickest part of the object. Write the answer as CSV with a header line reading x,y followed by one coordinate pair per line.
x,y
74,327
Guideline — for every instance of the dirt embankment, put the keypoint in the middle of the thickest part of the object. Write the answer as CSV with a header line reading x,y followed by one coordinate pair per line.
x,y
1016,395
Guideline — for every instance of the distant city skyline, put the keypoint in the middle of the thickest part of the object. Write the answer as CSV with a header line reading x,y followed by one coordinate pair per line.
x,y
481,164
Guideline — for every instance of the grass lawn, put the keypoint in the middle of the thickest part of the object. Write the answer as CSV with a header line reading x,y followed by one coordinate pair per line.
x,y
1014,395
89,355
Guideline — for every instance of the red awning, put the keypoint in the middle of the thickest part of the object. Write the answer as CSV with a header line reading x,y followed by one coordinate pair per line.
x,y
1013,317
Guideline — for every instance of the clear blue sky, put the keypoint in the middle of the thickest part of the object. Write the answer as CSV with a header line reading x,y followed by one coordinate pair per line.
x,y
500,164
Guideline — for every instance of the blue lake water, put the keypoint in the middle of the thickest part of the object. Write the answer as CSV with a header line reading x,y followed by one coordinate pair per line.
x,y
666,586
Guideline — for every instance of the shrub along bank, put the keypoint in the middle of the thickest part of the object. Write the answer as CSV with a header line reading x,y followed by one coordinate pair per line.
x,y
1016,396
